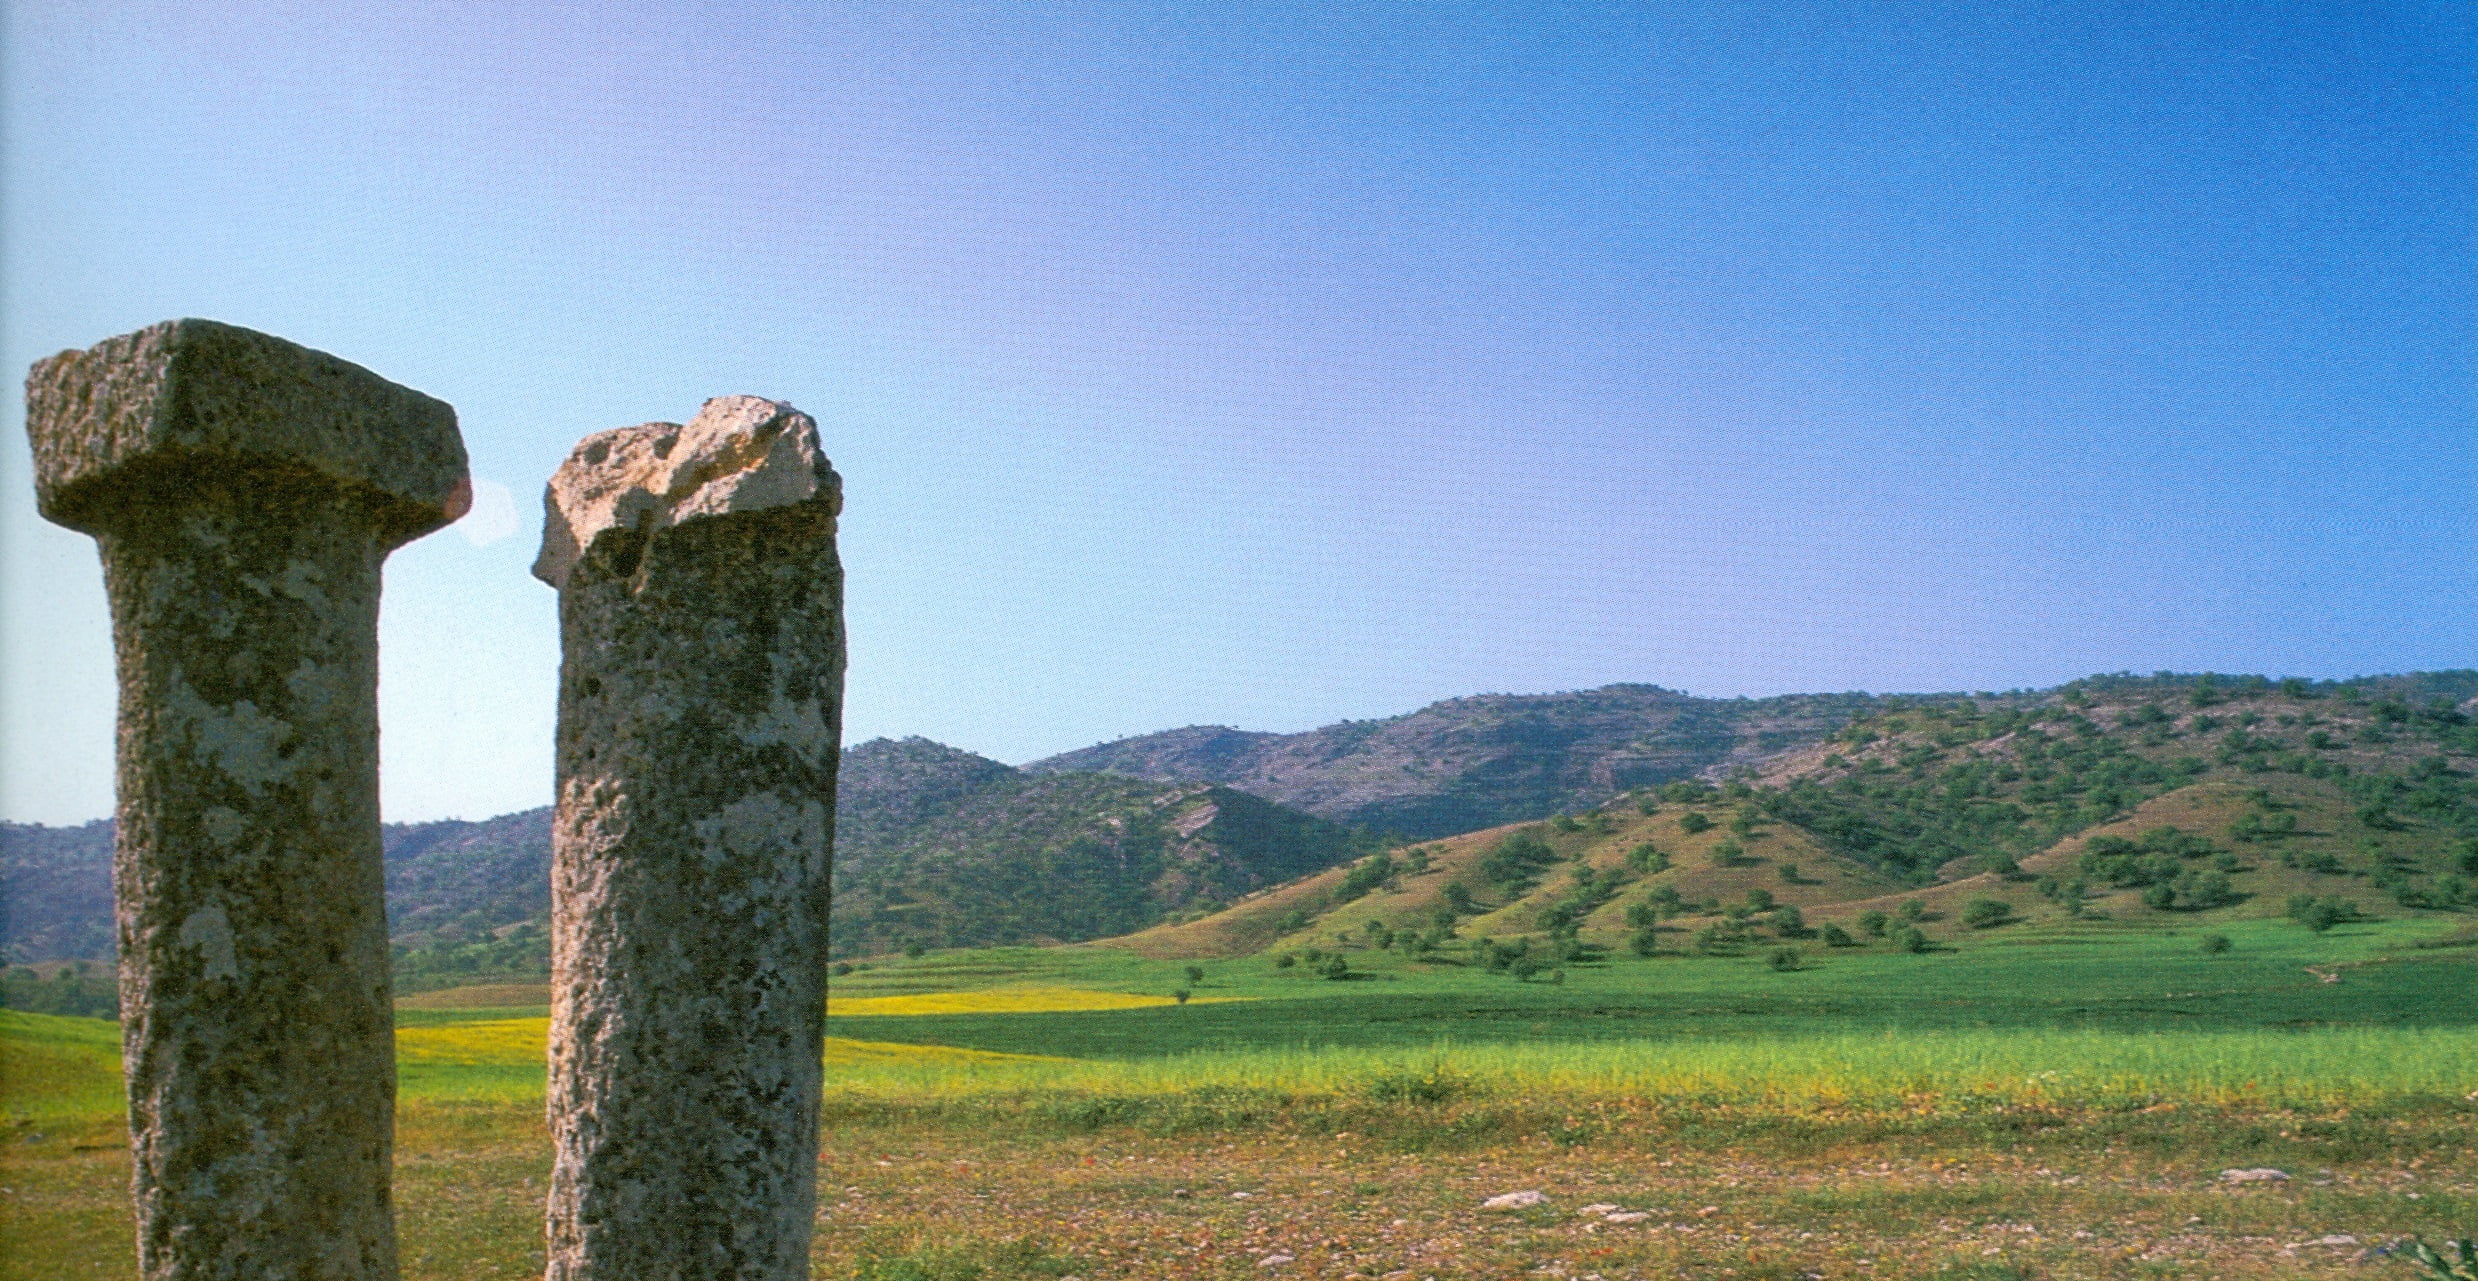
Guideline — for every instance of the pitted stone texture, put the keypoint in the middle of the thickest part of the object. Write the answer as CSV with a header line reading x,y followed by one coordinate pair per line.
x,y
124,421
257,1035
699,723
739,454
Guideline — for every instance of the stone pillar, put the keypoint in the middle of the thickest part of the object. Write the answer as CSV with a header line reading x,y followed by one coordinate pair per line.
x,y
700,718
243,491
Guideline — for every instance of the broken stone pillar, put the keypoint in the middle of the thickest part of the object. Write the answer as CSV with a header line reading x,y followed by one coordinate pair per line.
x,y
243,491
700,721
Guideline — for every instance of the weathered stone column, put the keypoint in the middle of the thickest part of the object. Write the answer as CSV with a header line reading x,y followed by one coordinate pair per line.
x,y
700,721
243,491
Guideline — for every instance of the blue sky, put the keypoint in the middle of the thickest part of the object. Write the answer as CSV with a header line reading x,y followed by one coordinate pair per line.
x,y
1273,365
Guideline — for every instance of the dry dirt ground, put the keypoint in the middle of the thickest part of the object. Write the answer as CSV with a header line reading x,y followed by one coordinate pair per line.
x,y
949,1201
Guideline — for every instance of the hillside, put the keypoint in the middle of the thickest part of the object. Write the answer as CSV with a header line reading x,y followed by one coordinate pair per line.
x,y
1470,763
2110,804
941,848
933,846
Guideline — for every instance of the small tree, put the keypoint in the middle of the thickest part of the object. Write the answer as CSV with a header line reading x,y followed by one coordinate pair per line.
x,y
1784,959
1179,995
1912,910
1647,859
1694,821
1835,936
1986,913
1908,938
1285,961
1644,941
2215,944
1872,923
1196,976
1789,872
1789,922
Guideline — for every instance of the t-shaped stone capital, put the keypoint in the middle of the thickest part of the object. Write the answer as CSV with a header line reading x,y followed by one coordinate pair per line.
x,y
129,420
739,454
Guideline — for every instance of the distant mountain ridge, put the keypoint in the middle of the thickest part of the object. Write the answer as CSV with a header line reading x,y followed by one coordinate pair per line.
x,y
934,846
2110,805
1469,763
942,848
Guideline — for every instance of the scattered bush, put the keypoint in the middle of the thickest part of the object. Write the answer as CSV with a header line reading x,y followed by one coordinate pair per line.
x,y
1515,862
1694,821
1784,959
1872,923
2215,944
2320,914
1986,913
1835,936
1365,876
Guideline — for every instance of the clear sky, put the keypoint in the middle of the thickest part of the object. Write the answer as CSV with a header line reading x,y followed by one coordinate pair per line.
x,y
1269,365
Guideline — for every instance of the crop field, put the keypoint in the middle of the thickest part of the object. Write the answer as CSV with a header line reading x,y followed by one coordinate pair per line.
x,y
2056,1104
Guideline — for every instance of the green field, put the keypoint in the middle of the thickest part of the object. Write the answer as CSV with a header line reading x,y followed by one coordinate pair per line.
x,y
1958,1113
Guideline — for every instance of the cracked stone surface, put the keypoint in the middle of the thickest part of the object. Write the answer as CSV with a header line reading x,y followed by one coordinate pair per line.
x,y
700,721
243,492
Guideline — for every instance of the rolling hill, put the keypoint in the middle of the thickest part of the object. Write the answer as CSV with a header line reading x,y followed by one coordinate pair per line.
x,y
2114,803
1471,763
934,846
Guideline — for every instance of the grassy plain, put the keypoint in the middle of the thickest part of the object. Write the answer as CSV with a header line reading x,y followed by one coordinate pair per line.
x,y
2057,1103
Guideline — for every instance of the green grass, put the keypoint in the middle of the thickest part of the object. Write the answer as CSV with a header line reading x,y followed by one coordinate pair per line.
x,y
2099,1023
1893,1108
2130,982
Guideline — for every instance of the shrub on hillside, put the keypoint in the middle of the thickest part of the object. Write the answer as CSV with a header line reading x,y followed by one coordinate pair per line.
x,y
1986,913
1694,821
1365,876
2320,914
1516,861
